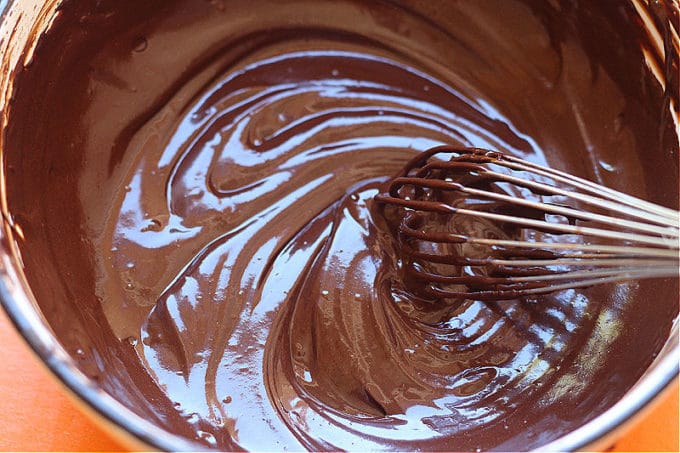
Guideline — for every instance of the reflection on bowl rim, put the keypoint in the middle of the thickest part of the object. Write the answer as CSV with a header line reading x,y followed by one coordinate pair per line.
x,y
16,299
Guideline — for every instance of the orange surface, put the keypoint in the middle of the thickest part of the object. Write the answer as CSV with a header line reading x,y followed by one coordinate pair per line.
x,y
36,414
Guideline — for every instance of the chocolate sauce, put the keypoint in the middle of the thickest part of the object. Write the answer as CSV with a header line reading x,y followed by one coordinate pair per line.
x,y
194,182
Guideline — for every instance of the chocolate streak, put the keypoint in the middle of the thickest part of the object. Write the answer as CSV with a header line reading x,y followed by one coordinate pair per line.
x,y
194,181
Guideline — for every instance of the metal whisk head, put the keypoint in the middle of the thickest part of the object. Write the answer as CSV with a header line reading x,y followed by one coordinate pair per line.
x,y
473,223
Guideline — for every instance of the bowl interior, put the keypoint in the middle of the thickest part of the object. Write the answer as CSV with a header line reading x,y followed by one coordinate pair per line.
x,y
69,142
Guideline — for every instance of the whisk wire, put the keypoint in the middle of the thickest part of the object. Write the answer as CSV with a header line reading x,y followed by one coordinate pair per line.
x,y
596,189
596,194
470,184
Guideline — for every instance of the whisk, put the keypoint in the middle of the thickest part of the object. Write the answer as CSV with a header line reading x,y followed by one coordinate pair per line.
x,y
473,223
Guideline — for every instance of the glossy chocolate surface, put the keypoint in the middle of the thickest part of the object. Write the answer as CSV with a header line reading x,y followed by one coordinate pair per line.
x,y
194,179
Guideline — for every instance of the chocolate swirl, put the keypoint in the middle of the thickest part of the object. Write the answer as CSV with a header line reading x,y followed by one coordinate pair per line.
x,y
234,282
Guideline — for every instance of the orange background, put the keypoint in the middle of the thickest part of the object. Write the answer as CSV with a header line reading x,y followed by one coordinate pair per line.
x,y
36,414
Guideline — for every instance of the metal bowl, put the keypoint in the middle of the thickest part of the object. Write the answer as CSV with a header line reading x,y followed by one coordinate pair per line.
x,y
21,23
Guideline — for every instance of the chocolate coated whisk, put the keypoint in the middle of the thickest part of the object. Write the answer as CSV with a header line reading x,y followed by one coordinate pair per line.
x,y
479,224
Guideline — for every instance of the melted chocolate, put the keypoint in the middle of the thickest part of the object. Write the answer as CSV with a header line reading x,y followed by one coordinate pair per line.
x,y
194,182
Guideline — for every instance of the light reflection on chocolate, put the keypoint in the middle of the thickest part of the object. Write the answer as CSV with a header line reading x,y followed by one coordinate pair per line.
x,y
196,185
